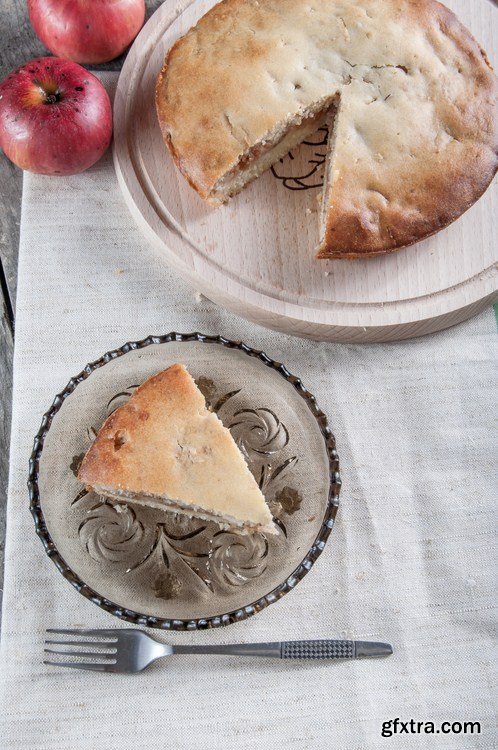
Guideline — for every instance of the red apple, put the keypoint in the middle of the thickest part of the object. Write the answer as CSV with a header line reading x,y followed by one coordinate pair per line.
x,y
87,31
55,117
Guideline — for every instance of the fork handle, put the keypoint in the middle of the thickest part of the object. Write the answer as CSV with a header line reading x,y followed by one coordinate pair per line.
x,y
326,649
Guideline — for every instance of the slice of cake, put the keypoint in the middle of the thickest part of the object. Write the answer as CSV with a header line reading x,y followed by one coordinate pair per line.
x,y
164,449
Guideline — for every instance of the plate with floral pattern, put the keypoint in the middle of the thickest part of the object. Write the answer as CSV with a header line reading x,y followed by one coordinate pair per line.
x,y
161,569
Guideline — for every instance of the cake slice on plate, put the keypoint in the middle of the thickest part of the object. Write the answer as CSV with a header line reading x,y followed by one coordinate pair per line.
x,y
165,449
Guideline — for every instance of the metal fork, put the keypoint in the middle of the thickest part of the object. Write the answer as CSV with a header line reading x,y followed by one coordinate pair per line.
x,y
129,650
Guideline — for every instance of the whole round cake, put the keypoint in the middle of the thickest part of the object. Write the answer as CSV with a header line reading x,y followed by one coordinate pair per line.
x,y
410,99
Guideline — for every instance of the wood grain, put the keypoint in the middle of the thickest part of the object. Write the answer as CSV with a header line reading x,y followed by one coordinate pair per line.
x,y
255,255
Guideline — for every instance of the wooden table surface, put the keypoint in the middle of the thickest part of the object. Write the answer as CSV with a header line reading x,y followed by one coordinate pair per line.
x,y
19,44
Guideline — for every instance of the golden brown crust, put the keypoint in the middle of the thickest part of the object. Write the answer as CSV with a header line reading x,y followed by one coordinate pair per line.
x,y
164,443
436,172
418,139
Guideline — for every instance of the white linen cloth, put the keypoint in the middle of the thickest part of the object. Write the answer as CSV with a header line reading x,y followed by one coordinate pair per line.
x,y
411,560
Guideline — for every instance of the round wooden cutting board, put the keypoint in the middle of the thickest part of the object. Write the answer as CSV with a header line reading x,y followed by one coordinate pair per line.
x,y
255,255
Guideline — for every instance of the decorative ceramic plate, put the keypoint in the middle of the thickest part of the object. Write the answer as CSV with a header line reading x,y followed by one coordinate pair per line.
x,y
161,569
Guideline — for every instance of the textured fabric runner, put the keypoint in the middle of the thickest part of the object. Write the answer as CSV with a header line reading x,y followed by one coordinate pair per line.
x,y
411,560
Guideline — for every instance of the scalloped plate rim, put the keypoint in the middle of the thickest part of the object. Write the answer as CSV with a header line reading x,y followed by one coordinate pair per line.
x,y
152,621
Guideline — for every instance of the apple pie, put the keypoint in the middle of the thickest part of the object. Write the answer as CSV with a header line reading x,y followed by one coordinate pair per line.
x,y
166,450
409,96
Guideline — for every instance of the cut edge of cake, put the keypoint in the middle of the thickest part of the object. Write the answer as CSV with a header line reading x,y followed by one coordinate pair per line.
x,y
259,157
163,502
332,121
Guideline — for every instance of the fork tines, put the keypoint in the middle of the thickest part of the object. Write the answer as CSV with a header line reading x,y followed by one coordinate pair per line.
x,y
103,653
